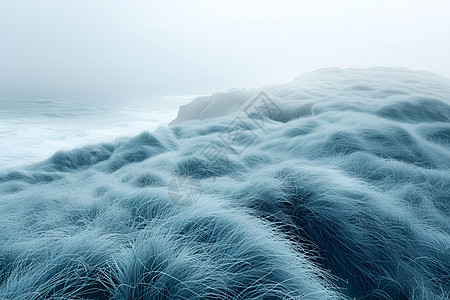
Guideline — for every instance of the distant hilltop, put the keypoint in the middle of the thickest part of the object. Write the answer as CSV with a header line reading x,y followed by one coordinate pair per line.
x,y
373,88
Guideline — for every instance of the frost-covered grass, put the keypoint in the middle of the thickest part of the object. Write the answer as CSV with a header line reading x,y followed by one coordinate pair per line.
x,y
344,195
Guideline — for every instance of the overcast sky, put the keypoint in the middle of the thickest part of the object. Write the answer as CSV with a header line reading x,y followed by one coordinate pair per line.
x,y
178,47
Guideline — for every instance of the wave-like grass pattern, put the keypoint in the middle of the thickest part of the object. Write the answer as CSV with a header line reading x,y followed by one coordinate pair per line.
x,y
345,194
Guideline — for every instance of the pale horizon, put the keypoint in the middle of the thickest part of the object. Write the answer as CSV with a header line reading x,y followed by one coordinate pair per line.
x,y
200,46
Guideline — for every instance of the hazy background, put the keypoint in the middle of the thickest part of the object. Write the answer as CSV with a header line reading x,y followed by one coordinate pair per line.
x,y
77,72
179,47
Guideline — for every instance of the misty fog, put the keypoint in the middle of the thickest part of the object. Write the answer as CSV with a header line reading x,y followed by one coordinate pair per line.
x,y
204,46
